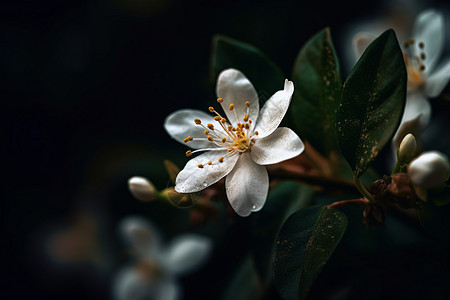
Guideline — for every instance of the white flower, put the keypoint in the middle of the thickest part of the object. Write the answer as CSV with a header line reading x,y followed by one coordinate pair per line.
x,y
430,169
407,149
154,271
426,79
237,147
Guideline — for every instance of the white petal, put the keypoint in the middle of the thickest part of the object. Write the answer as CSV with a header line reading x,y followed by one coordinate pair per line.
x,y
429,29
438,79
281,145
141,235
193,179
361,41
415,118
234,88
274,110
168,289
142,188
128,284
247,186
430,169
186,253
180,124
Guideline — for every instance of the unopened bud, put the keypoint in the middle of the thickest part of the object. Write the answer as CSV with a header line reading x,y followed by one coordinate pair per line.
x,y
407,149
431,169
142,189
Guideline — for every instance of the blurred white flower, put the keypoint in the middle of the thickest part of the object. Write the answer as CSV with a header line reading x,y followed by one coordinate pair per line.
x,y
430,169
155,268
407,149
427,75
237,147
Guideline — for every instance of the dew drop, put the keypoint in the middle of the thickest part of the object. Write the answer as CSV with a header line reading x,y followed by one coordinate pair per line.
x,y
205,184
254,207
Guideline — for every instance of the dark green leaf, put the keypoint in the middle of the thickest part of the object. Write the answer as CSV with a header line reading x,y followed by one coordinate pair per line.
x,y
244,284
436,220
372,104
265,76
317,81
283,200
305,243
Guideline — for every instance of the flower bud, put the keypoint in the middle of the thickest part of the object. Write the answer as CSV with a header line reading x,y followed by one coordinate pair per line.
x,y
431,169
407,149
142,189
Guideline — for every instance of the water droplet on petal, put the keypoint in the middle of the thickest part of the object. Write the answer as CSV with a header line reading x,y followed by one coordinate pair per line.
x,y
205,184
254,207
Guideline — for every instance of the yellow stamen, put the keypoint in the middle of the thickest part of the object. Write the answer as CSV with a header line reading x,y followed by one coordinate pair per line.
x,y
217,118
189,138
220,100
256,132
230,127
200,166
211,109
245,118
224,139
221,159
188,153
210,126
209,162
197,121
247,126
224,120
247,104
231,106
206,132
210,138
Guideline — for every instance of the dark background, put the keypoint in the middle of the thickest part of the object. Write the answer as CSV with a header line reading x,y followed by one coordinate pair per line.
x,y
85,88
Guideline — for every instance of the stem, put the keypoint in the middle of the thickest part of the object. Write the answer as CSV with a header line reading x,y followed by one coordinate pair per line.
x,y
331,183
345,202
362,189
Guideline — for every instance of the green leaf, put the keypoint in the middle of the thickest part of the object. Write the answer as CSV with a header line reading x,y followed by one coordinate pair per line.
x,y
244,284
436,220
316,99
265,75
285,199
372,103
305,243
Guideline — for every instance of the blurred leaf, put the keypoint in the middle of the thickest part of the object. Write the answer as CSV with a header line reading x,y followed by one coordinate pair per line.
x,y
372,104
305,243
244,283
317,81
285,199
265,75
436,220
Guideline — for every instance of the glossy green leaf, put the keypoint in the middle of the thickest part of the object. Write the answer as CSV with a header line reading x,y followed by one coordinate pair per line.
x,y
265,75
316,99
372,103
305,243
285,199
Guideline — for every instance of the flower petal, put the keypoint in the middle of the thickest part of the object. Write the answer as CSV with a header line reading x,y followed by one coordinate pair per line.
x,y
429,29
193,179
186,253
130,284
247,186
180,124
437,81
274,110
234,88
140,234
361,41
281,145
168,289
415,118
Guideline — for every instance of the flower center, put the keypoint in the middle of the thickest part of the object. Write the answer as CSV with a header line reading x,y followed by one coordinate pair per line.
x,y
237,138
414,64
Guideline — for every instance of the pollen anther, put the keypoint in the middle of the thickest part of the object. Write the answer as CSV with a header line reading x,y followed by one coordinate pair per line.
x,y
188,153
210,138
197,121
224,139
231,106
221,159
200,166
247,103
220,100
189,138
